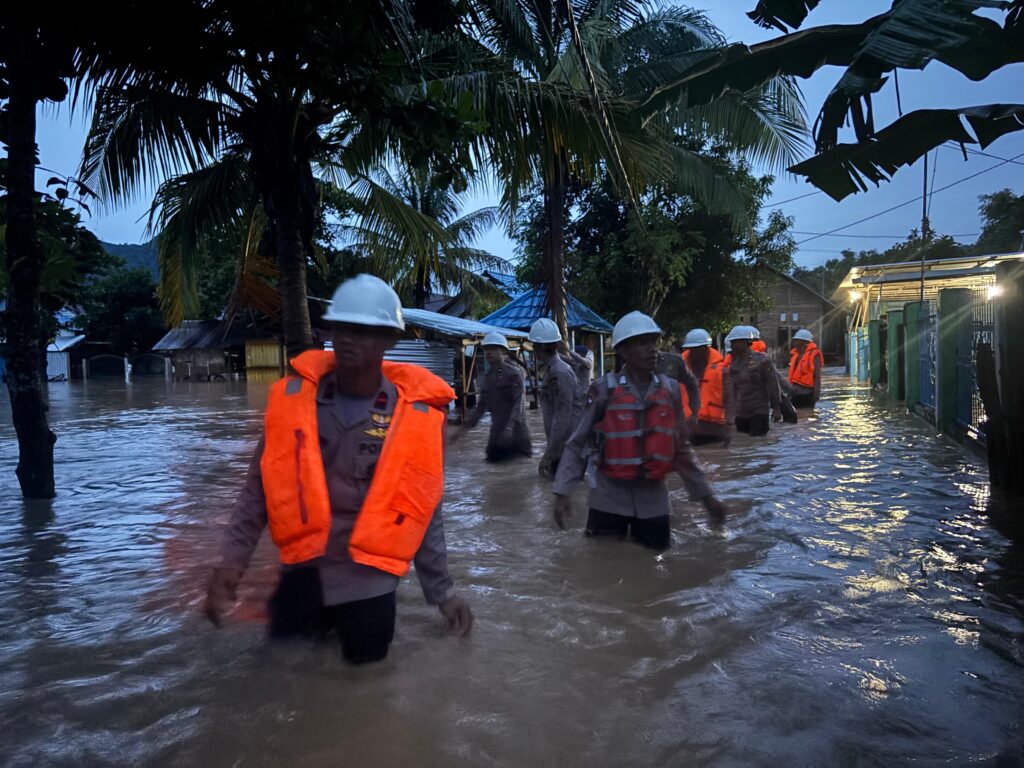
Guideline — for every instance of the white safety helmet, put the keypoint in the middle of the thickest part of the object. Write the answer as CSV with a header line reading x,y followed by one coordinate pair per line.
x,y
544,331
633,324
753,330
698,337
366,300
803,335
495,339
740,333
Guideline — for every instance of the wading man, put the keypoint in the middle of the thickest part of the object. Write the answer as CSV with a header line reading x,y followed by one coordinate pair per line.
x,y
349,477
715,421
755,384
558,393
631,435
805,361
501,394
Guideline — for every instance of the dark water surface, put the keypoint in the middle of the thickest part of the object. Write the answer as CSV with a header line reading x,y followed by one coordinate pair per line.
x,y
859,611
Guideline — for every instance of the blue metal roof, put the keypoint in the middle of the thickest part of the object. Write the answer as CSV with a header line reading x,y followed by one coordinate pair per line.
x,y
523,310
454,326
505,282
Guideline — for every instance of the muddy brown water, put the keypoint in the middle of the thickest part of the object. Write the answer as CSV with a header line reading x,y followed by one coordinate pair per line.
x,y
859,611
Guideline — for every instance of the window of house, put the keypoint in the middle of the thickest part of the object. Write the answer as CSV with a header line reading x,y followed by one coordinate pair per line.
x,y
782,317
796,317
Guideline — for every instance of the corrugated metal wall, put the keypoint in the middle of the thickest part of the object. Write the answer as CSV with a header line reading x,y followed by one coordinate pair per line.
x,y
437,358
58,364
264,354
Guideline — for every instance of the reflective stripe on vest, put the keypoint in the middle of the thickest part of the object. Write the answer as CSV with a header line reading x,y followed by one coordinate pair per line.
x,y
638,437
801,367
712,388
408,482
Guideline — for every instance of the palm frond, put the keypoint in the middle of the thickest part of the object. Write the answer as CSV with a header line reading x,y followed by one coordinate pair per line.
x,y
140,137
846,169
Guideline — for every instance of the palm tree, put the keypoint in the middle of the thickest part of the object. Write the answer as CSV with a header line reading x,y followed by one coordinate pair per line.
x,y
411,231
593,82
269,86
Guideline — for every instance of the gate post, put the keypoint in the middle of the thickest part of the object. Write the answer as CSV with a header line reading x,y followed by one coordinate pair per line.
x,y
894,349
875,351
952,314
912,320
1009,346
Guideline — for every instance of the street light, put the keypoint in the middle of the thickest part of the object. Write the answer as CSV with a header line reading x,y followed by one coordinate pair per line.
x,y
994,291
854,297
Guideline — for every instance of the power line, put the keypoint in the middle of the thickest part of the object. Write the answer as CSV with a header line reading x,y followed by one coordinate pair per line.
x,y
790,200
908,202
956,148
880,237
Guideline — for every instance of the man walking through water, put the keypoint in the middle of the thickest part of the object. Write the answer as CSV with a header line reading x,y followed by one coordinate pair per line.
x,y
349,477
632,434
501,394
558,393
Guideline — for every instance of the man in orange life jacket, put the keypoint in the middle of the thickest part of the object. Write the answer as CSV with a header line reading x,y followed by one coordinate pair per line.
x,y
631,435
715,419
349,477
805,361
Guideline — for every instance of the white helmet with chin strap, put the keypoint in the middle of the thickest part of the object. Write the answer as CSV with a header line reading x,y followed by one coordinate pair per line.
x,y
544,331
803,335
366,300
698,337
495,339
634,324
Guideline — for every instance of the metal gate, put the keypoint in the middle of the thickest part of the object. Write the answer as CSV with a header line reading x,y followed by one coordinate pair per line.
x,y
927,354
979,326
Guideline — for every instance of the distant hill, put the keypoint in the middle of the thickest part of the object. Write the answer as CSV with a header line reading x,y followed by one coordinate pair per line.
x,y
143,255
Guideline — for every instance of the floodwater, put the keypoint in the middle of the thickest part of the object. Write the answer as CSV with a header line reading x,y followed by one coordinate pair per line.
x,y
860,610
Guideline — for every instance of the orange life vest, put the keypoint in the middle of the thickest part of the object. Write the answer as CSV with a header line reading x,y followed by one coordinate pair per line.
x,y
639,438
758,346
712,388
408,482
801,367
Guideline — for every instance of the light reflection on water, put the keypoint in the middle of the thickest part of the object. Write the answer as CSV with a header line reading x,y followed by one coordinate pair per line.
x,y
859,610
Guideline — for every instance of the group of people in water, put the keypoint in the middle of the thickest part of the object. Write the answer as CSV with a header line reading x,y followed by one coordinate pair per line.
x,y
349,473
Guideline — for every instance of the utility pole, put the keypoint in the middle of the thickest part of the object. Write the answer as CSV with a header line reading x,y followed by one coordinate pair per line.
x,y
925,231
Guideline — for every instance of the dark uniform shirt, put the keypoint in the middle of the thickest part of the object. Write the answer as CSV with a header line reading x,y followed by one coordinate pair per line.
x,y
675,367
755,383
630,498
352,432
501,393
558,405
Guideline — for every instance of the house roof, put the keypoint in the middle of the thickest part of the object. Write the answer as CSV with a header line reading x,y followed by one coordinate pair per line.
x,y
65,340
454,326
207,334
530,306
902,280
505,282
802,285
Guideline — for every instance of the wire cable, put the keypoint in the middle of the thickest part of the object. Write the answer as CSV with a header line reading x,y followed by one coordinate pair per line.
x,y
909,202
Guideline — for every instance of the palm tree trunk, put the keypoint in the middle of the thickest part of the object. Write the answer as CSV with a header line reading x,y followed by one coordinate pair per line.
x,y
25,345
420,289
554,244
291,279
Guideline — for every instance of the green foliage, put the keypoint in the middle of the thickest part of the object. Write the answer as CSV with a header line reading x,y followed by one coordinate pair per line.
x,y
122,308
670,256
74,257
1002,229
830,274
